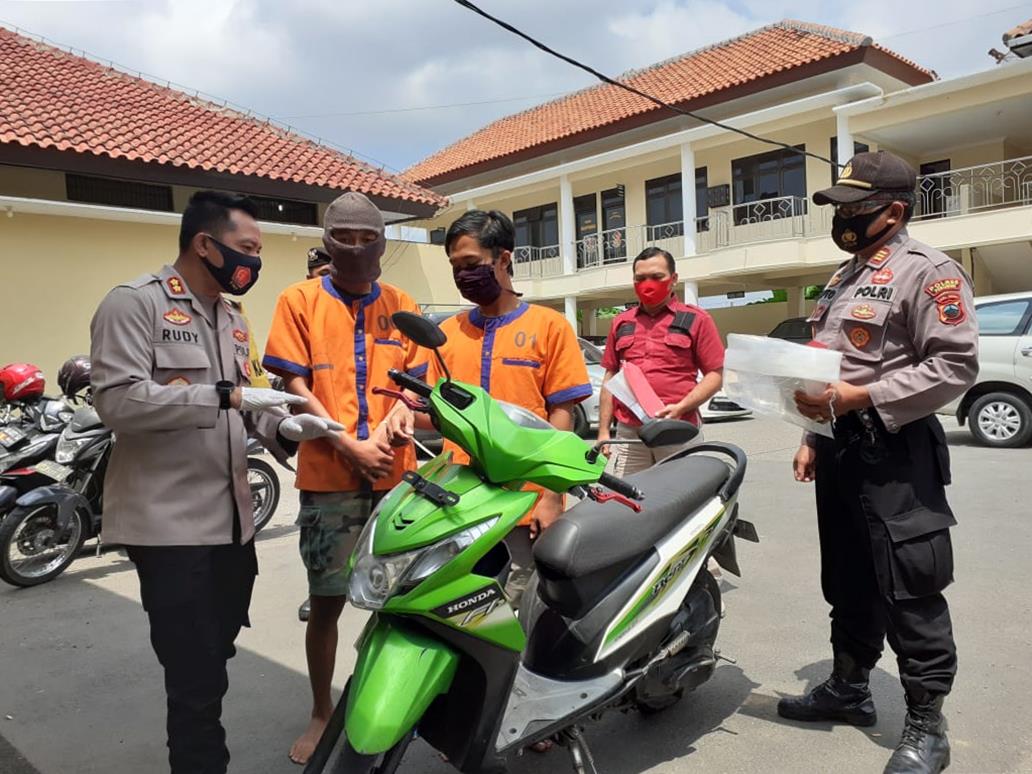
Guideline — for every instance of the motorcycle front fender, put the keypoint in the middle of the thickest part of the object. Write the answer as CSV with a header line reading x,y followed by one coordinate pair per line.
x,y
68,501
398,674
8,496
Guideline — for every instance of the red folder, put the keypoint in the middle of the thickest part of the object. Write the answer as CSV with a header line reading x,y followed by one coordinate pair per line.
x,y
642,390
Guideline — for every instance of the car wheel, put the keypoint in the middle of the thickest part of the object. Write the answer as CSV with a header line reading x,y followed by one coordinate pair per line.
x,y
580,422
1001,419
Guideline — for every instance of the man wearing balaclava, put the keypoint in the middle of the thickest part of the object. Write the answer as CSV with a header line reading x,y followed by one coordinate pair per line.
x,y
333,342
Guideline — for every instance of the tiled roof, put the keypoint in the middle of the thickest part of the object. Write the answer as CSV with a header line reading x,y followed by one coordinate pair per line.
x,y
1025,28
697,75
50,98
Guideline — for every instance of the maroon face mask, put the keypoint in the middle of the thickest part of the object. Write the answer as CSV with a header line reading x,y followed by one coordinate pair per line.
x,y
478,284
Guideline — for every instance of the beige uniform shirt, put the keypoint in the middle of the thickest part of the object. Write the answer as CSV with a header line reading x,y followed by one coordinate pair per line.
x,y
904,321
178,470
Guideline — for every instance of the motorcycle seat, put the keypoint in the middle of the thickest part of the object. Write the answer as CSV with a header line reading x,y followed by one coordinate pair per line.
x,y
587,550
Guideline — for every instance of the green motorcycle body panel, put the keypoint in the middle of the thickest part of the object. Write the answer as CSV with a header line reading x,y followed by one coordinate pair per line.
x,y
407,521
398,674
508,453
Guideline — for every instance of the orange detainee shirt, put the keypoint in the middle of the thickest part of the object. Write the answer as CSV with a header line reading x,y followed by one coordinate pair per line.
x,y
344,346
529,357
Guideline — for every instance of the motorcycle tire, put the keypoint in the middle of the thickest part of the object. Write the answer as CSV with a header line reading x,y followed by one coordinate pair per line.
x,y
653,705
8,532
265,491
349,760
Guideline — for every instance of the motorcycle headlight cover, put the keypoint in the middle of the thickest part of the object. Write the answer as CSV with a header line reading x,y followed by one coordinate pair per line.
x,y
69,448
375,579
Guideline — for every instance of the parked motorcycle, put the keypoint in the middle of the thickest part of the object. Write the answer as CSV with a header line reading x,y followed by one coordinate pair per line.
x,y
622,614
49,509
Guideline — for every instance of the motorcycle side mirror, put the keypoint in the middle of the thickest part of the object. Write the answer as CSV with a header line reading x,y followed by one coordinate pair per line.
x,y
423,331
667,432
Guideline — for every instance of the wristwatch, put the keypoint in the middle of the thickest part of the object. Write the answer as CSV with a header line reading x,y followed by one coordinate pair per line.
x,y
225,390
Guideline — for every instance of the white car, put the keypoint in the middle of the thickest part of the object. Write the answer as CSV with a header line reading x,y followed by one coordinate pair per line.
x,y
998,408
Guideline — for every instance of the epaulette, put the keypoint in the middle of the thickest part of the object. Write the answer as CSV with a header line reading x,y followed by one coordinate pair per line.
x,y
141,281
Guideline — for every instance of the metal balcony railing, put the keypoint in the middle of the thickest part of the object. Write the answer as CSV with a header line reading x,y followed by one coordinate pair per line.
x,y
975,189
982,188
535,262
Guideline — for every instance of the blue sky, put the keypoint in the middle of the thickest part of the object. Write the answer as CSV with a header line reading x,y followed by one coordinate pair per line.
x,y
358,72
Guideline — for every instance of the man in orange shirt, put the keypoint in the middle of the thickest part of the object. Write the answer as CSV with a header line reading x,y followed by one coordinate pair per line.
x,y
332,340
519,353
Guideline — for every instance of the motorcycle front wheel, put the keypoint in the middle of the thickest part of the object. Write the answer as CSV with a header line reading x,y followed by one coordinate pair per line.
x,y
29,554
265,491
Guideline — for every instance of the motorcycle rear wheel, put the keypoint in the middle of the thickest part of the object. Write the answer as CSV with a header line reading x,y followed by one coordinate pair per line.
x,y
265,491
654,704
22,532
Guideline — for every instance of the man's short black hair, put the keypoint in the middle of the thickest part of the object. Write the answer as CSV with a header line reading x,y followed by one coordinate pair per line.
x,y
209,211
652,252
493,231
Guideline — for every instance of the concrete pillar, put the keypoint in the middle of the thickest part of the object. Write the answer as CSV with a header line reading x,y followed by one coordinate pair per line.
x,y
688,203
843,142
571,311
567,226
691,292
796,302
590,320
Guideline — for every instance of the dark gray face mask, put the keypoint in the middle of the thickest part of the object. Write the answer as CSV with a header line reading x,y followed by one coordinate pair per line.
x,y
355,264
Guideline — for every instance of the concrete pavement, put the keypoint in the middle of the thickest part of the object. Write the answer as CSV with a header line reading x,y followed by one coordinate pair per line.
x,y
80,690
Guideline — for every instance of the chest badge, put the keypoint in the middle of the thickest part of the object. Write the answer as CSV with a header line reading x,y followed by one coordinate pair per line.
x,y
177,317
882,277
864,312
859,337
175,286
240,335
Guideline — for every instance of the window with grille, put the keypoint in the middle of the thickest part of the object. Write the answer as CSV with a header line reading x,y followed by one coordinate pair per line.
x,y
118,193
286,211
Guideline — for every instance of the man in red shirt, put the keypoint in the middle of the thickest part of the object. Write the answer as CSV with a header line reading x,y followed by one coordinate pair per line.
x,y
671,343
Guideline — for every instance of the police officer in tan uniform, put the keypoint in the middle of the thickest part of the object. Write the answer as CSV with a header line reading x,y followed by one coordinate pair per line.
x,y
901,314
173,375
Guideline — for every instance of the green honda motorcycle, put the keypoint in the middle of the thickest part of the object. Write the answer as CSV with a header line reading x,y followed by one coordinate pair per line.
x,y
622,612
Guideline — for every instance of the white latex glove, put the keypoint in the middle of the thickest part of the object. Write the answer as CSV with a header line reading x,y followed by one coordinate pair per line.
x,y
263,399
308,427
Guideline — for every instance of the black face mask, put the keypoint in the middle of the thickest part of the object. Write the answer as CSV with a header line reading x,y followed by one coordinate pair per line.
x,y
478,284
238,272
850,234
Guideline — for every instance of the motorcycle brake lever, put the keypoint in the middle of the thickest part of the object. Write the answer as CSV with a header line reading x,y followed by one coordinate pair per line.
x,y
601,496
415,405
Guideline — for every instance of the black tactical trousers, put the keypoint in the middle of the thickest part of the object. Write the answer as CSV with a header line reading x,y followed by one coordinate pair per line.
x,y
197,598
886,554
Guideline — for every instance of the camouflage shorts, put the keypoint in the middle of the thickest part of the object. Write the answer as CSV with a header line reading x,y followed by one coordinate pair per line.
x,y
330,525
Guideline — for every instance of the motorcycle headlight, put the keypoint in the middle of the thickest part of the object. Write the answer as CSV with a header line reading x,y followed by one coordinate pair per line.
x,y
68,449
375,579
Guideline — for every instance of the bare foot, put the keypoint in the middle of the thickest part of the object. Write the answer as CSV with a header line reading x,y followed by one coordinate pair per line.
x,y
306,743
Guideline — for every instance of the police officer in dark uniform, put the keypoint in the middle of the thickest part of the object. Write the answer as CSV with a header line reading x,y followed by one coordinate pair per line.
x,y
901,314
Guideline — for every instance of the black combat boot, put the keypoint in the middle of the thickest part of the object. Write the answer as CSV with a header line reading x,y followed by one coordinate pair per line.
x,y
924,748
845,697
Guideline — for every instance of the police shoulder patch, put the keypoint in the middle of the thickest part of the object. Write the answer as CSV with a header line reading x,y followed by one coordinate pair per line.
x,y
937,288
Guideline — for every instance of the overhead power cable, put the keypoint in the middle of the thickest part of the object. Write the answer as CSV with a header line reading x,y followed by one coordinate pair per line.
x,y
626,87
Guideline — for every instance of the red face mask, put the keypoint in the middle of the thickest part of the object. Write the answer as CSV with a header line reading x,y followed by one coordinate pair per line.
x,y
652,292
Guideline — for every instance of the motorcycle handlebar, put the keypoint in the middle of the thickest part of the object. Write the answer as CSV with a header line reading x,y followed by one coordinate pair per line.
x,y
410,382
620,486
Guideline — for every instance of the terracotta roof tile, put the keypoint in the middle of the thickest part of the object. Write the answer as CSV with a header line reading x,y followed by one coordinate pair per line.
x,y
773,49
51,98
